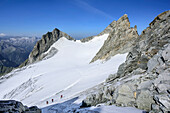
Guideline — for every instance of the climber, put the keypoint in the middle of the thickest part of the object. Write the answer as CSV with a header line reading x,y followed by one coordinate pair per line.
x,y
61,96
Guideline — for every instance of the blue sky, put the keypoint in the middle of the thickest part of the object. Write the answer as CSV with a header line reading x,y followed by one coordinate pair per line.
x,y
78,18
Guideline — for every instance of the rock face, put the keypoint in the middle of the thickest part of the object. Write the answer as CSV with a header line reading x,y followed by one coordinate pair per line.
x,y
12,106
120,40
44,44
4,70
143,81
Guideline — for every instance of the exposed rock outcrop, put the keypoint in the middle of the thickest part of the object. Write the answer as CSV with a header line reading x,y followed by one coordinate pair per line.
x,y
4,70
120,40
44,44
12,106
143,81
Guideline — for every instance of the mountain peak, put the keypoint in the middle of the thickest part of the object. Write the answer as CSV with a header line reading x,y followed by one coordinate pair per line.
x,y
120,40
124,17
44,44
123,21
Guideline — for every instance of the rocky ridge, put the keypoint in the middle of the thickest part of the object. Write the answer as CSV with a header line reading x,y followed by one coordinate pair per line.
x,y
120,40
143,81
44,44
5,70
12,106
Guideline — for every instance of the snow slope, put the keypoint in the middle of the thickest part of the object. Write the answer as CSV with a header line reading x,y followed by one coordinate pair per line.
x,y
67,73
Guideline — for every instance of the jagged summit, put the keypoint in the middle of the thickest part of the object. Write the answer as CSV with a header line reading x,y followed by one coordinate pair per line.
x,y
109,28
44,44
120,40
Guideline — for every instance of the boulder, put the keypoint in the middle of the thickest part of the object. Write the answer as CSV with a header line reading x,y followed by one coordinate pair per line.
x,y
145,100
126,94
12,106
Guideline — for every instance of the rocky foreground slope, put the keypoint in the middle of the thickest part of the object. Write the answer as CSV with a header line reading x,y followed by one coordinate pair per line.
x,y
12,106
143,80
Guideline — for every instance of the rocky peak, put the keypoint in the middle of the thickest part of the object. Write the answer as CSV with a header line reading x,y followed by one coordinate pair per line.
x,y
142,81
109,28
122,20
44,44
120,40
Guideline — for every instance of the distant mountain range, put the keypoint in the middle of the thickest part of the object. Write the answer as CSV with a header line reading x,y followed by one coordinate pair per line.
x,y
14,50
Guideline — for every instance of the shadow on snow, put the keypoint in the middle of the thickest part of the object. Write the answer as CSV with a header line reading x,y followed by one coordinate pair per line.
x,y
68,107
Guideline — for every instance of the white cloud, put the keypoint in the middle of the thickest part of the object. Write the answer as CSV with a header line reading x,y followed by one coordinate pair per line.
x,y
90,8
2,34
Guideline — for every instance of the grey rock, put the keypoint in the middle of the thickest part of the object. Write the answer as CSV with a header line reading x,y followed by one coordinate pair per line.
x,y
44,44
145,84
162,88
87,39
145,100
155,107
138,71
166,55
143,62
121,69
164,101
112,77
5,70
120,39
50,54
126,94
12,106
152,63
34,109
143,80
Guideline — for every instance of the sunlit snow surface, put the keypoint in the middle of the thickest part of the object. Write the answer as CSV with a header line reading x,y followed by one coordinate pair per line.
x,y
67,73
